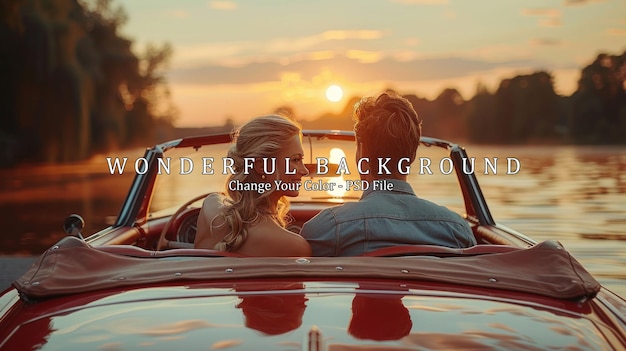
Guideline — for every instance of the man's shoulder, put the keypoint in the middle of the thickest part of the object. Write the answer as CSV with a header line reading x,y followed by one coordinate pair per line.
x,y
382,205
432,208
348,210
330,215
330,212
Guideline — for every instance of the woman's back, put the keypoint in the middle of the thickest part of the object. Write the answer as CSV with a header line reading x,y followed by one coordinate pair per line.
x,y
266,150
264,237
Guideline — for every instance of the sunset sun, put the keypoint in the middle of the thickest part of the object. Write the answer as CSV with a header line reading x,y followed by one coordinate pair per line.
x,y
334,93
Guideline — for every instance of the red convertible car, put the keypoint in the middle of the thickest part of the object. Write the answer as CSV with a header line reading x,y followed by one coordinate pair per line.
x,y
117,289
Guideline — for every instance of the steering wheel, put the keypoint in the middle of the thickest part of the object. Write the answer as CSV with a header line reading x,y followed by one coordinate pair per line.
x,y
162,241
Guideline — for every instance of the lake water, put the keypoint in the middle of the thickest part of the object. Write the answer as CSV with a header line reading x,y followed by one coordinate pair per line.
x,y
573,194
576,195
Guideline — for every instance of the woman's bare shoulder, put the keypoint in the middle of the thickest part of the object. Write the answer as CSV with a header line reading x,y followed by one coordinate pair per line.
x,y
213,200
275,241
210,227
212,205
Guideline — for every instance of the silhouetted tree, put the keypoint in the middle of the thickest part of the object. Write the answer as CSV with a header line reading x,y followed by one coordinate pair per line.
x,y
71,84
451,114
598,107
527,108
481,119
148,91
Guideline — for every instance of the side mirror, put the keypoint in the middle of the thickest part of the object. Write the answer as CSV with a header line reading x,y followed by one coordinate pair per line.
x,y
73,225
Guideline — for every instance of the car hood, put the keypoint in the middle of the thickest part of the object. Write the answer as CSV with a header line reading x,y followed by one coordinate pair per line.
x,y
291,315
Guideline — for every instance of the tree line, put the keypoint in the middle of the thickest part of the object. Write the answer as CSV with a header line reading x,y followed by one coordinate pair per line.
x,y
524,109
72,85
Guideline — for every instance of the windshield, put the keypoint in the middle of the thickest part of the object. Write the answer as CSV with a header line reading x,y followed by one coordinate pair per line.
x,y
189,172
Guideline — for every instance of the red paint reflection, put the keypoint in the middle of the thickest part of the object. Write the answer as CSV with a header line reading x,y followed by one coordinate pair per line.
x,y
379,317
273,314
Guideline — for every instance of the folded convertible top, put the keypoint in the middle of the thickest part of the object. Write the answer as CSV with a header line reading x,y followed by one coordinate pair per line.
x,y
72,267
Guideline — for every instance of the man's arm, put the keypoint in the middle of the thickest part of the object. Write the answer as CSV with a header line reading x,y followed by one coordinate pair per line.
x,y
463,234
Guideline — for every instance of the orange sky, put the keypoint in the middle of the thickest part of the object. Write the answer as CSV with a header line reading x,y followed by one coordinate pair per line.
x,y
240,59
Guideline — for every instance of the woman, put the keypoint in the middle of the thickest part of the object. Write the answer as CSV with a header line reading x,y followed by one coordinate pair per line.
x,y
251,218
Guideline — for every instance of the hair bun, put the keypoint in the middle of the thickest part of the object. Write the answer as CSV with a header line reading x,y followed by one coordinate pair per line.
x,y
236,157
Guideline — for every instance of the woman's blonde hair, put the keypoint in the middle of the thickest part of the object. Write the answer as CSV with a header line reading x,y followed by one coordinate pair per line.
x,y
261,137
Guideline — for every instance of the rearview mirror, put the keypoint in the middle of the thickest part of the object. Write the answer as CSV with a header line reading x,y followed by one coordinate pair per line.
x,y
73,225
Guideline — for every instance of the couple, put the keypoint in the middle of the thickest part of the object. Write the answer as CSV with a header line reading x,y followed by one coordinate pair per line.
x,y
253,224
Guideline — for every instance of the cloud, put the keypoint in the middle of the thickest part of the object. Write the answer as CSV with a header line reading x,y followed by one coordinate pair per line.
x,y
421,2
579,2
352,34
543,12
239,53
500,52
356,67
319,55
411,41
210,51
550,22
364,56
307,42
223,5
405,55
574,2
548,17
450,15
616,31
178,13
545,42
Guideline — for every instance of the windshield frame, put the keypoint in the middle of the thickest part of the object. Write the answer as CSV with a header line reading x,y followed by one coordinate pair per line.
x,y
135,209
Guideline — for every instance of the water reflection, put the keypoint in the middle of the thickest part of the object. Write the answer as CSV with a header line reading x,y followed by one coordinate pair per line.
x,y
571,194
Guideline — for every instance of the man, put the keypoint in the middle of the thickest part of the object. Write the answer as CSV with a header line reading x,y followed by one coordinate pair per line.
x,y
386,126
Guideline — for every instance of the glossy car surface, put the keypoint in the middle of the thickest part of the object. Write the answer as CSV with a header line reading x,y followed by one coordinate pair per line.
x,y
115,291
